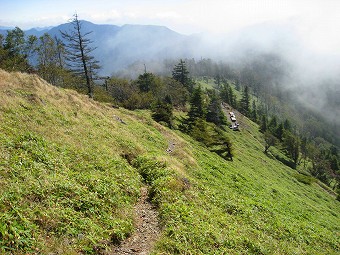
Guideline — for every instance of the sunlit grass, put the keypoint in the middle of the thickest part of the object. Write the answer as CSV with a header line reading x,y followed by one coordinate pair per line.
x,y
70,174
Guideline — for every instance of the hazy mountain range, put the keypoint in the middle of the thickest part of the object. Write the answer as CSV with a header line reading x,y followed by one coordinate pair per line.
x,y
119,46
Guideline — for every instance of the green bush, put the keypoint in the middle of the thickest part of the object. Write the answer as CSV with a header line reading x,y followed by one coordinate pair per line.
x,y
304,178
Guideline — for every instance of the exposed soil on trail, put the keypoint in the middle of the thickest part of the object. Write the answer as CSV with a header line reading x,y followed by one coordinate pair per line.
x,y
147,229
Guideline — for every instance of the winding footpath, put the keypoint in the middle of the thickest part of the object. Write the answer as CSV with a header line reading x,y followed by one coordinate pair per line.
x,y
147,229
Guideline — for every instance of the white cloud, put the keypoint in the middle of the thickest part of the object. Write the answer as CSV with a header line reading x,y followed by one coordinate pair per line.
x,y
316,20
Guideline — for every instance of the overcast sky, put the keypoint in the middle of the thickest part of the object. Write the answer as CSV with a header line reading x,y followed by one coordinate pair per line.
x,y
317,21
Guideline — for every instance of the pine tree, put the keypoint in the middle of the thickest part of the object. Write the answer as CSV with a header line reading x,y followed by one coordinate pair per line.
x,y
263,126
286,125
245,101
78,49
232,97
195,123
180,73
15,51
214,111
237,84
272,125
291,144
254,112
162,111
225,93
197,108
145,81
279,131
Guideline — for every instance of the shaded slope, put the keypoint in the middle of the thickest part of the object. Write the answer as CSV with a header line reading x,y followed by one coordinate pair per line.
x,y
71,176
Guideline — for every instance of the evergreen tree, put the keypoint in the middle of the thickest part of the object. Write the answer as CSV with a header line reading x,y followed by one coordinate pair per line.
x,y
198,130
254,112
14,52
178,93
237,85
245,102
15,41
218,79
197,107
263,126
145,81
180,73
291,144
287,126
214,111
225,93
195,124
279,131
272,125
78,49
232,97
162,111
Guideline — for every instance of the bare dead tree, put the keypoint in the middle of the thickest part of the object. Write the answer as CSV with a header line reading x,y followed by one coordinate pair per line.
x,y
78,49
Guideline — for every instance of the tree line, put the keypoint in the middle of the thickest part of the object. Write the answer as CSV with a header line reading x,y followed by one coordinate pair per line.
x,y
68,62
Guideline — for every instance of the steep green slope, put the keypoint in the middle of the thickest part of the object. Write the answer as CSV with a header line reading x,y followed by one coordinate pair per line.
x,y
71,170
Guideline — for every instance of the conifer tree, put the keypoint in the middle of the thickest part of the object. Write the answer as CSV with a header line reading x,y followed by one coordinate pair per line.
x,y
272,125
254,112
162,111
287,125
225,93
263,126
279,131
180,73
232,97
214,111
197,108
145,81
78,49
16,50
245,101
291,144
237,84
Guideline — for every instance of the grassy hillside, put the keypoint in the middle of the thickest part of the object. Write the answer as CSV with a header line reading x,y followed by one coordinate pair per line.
x,y
71,170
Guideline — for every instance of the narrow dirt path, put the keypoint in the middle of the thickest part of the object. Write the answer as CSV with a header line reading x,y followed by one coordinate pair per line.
x,y
147,229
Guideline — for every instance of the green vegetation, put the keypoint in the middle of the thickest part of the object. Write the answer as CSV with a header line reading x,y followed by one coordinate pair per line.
x,y
71,173
72,168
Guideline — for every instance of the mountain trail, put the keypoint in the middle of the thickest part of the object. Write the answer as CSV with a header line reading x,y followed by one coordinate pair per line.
x,y
147,229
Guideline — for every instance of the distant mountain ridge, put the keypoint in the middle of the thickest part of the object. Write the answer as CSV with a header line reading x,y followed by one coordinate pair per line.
x,y
119,46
